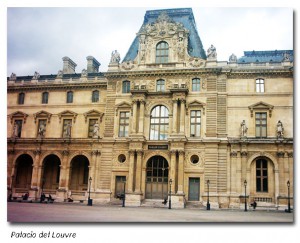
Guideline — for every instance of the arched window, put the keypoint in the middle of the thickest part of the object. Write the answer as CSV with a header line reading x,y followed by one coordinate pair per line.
x,y
125,87
21,98
45,96
261,175
70,97
160,85
159,123
95,96
162,52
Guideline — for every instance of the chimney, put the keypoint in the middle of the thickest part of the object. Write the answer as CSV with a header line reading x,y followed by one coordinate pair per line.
x,y
69,66
92,65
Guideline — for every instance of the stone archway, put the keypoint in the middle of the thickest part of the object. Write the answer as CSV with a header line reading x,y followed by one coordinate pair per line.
x,y
79,172
51,173
23,176
157,172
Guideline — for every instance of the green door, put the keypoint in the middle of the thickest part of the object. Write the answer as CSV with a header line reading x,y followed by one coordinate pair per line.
x,y
194,189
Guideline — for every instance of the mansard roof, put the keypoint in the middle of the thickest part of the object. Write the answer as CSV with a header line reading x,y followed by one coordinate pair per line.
x,y
266,56
181,15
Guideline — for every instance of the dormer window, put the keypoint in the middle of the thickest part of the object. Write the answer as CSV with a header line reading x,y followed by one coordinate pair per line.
x,y
160,85
260,85
162,52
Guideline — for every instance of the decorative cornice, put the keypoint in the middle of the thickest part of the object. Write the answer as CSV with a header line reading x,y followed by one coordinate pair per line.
x,y
233,154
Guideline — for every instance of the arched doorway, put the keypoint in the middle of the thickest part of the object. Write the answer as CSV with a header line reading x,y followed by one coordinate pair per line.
x,y
51,173
24,165
79,173
157,178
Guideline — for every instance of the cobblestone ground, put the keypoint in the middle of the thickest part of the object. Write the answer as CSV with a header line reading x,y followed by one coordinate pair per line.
x,y
60,212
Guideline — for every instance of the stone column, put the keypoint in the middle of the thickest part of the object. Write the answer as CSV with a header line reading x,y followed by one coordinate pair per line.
x,y
182,116
134,113
138,175
92,169
97,170
141,118
35,179
131,171
64,177
180,172
174,127
233,170
172,169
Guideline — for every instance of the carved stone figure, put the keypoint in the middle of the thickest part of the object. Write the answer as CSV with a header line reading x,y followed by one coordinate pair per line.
x,y
13,76
84,73
36,75
42,130
233,58
96,130
211,52
115,57
68,130
280,129
286,57
60,74
16,131
244,129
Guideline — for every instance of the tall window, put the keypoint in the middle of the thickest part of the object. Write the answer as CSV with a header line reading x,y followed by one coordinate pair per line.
x,y
125,87
160,85
67,128
261,124
162,52
124,124
260,85
21,98
92,122
95,96
159,123
70,97
45,96
195,123
196,84
261,175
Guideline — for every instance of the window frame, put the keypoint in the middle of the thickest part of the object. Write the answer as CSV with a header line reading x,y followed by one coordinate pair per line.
x,y
261,178
45,97
125,87
95,96
162,52
160,125
195,124
198,87
21,98
123,130
260,85
70,98
160,85
64,125
259,124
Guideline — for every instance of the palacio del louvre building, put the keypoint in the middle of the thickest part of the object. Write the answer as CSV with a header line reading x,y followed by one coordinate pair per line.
x,y
168,119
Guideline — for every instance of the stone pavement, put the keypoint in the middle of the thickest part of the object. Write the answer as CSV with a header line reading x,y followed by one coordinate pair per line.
x,y
62,212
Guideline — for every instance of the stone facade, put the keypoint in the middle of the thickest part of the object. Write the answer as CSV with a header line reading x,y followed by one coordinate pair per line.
x,y
167,111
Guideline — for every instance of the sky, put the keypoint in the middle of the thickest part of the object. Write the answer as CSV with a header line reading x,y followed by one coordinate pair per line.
x,y
38,38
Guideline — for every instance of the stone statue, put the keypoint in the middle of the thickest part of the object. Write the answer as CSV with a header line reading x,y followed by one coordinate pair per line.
x,y
286,57
13,76
233,58
42,130
115,57
60,74
36,75
96,130
211,52
280,129
16,130
244,129
68,130
84,73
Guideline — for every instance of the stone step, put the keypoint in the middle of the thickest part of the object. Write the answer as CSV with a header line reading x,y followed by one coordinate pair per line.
x,y
155,203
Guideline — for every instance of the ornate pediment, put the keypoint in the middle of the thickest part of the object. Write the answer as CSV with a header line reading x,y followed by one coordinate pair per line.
x,y
93,113
195,104
18,115
67,114
261,106
123,105
42,114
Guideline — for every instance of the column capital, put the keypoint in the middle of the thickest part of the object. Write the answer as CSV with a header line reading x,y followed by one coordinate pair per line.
x,y
233,154
139,152
95,152
244,153
181,152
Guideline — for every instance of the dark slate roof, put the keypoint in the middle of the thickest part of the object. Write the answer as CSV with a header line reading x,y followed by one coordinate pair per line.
x,y
181,15
265,56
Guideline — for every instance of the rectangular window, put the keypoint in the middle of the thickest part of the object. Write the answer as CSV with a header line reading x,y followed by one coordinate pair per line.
x,y
21,98
261,175
95,96
18,128
45,98
195,123
124,124
92,122
261,125
67,125
160,85
196,84
260,85
69,97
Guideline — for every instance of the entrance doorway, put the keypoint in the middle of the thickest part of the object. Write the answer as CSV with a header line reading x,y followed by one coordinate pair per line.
x,y
120,183
194,189
157,178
